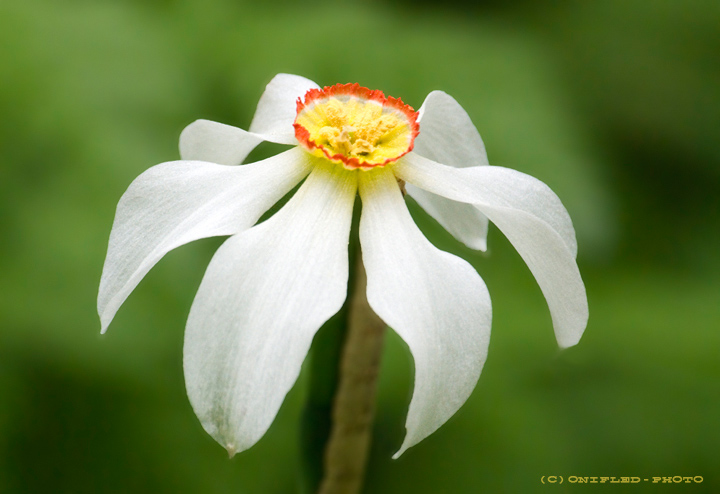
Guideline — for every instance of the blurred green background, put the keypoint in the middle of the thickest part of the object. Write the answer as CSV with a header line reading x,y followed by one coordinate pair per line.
x,y
613,103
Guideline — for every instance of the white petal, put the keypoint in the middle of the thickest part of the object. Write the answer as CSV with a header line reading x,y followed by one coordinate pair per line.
x,y
531,217
174,203
463,221
448,136
435,301
491,184
264,296
277,108
214,142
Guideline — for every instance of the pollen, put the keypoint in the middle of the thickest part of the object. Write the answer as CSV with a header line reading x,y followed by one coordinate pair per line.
x,y
354,126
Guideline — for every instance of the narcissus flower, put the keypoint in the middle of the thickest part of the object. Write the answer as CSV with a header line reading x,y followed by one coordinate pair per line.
x,y
272,285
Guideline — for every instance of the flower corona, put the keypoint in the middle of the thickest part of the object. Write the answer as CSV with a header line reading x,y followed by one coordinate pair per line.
x,y
355,126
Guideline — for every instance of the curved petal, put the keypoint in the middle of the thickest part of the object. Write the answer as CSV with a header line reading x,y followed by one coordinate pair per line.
x,y
463,221
277,108
448,136
265,294
435,301
494,184
531,217
174,203
204,140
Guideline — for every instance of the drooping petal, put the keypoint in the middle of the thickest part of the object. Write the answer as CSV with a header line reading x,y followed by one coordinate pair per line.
x,y
502,186
448,136
174,203
277,108
463,221
534,220
265,294
204,140
435,301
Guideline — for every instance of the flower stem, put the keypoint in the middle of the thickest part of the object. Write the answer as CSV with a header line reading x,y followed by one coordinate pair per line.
x,y
354,404
341,401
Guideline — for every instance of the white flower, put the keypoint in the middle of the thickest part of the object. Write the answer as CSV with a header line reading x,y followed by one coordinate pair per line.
x,y
270,287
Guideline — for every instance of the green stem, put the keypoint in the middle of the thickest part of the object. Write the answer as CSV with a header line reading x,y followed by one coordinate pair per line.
x,y
354,403
341,401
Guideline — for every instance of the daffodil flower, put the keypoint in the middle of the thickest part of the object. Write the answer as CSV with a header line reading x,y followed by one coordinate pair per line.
x,y
272,285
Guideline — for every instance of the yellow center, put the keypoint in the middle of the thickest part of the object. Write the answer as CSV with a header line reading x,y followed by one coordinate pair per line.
x,y
355,130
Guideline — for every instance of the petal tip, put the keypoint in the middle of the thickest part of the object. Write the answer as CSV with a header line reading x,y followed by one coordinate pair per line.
x,y
105,320
564,345
572,338
184,144
407,444
568,342
479,244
